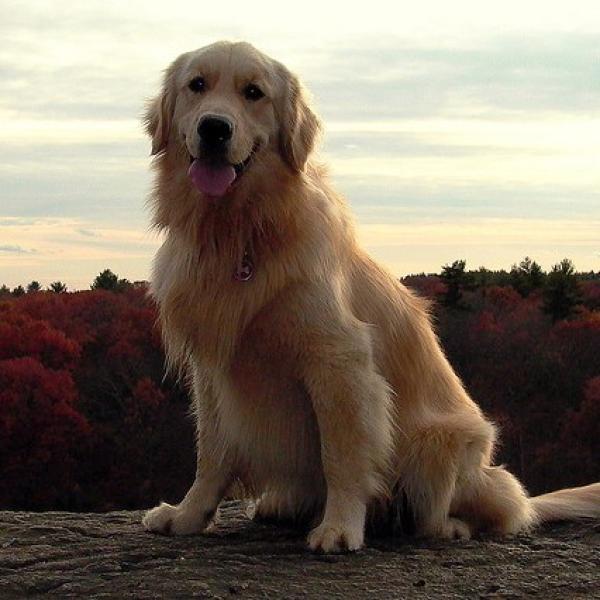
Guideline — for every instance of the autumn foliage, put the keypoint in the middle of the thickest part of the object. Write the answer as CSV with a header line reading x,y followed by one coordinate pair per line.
x,y
88,420
536,377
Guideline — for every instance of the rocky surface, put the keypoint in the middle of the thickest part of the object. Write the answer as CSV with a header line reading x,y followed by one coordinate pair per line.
x,y
69,555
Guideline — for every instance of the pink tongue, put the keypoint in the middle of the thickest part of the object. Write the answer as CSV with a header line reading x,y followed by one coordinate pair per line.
x,y
209,179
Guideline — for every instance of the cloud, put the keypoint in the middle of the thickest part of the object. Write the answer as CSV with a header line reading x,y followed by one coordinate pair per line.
x,y
16,221
346,143
107,181
493,78
14,249
83,69
441,113
87,232
391,201
64,252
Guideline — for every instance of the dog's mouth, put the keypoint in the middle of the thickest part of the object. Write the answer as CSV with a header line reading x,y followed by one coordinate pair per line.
x,y
216,178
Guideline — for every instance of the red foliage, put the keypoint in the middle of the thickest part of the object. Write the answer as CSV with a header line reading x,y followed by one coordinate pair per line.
x,y
41,431
83,404
581,433
585,424
88,422
530,376
590,292
146,399
429,286
22,335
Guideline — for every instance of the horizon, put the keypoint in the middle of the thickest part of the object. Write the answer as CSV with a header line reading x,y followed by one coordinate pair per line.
x,y
458,132
467,270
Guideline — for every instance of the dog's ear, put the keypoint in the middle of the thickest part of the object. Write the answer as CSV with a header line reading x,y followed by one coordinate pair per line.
x,y
159,112
298,125
157,121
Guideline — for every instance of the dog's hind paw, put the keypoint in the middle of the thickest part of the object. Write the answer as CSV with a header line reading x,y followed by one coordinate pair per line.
x,y
450,529
457,530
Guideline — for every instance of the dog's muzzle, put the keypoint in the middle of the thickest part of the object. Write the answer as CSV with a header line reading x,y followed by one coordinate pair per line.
x,y
215,133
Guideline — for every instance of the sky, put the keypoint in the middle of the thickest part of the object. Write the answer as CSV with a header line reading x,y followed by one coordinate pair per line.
x,y
456,130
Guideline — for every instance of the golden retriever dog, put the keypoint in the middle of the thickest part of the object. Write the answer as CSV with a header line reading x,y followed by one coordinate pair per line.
x,y
318,382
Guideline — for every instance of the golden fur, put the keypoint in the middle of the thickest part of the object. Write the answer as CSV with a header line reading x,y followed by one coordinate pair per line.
x,y
319,384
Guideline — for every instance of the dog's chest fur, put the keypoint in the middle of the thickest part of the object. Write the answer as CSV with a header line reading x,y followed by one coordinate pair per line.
x,y
203,308
234,334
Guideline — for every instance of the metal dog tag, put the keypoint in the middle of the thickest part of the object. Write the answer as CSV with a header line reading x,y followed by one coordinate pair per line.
x,y
245,269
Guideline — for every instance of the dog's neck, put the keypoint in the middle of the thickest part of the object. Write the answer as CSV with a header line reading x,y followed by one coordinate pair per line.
x,y
258,221
276,218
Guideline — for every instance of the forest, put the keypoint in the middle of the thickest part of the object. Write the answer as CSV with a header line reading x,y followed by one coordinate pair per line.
x,y
88,420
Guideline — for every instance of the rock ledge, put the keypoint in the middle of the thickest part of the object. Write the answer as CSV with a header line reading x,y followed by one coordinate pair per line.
x,y
71,555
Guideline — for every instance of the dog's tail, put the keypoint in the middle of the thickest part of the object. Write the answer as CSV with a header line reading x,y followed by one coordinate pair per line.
x,y
568,504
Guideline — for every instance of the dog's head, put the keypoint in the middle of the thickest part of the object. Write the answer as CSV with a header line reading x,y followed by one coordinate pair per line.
x,y
225,112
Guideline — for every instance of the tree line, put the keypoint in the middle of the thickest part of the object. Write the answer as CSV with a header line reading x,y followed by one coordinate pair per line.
x,y
561,288
105,280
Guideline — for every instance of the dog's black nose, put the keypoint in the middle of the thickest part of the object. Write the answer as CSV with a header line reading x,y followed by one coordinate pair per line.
x,y
215,132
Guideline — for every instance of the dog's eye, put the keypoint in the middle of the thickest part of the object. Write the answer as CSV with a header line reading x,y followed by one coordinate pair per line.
x,y
253,92
197,84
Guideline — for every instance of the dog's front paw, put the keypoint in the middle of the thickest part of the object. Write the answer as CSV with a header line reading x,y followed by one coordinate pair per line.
x,y
175,520
333,537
